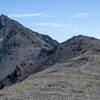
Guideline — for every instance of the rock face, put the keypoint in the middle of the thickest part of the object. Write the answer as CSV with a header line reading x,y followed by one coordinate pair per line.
x,y
19,50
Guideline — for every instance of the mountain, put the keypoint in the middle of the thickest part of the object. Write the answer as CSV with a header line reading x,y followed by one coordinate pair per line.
x,y
20,48
43,69
73,47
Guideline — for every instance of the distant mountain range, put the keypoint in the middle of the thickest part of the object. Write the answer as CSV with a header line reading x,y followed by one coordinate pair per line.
x,y
44,69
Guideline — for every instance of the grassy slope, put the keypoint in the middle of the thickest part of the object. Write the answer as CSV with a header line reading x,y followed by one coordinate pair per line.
x,y
77,79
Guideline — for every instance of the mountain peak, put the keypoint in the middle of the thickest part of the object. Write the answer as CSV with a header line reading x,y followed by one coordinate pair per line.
x,y
3,16
20,45
4,20
84,37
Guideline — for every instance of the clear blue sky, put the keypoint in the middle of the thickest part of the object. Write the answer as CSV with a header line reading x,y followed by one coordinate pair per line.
x,y
60,19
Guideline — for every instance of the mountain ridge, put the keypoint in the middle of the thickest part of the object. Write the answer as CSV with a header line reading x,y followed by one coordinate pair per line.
x,y
43,69
19,49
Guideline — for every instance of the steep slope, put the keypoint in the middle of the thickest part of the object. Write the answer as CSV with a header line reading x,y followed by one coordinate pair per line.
x,y
76,79
19,50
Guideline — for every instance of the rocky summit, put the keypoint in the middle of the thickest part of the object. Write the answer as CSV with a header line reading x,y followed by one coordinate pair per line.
x,y
36,67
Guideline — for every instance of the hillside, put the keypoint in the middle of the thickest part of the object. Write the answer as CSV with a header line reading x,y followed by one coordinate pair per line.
x,y
73,47
19,50
34,66
77,79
